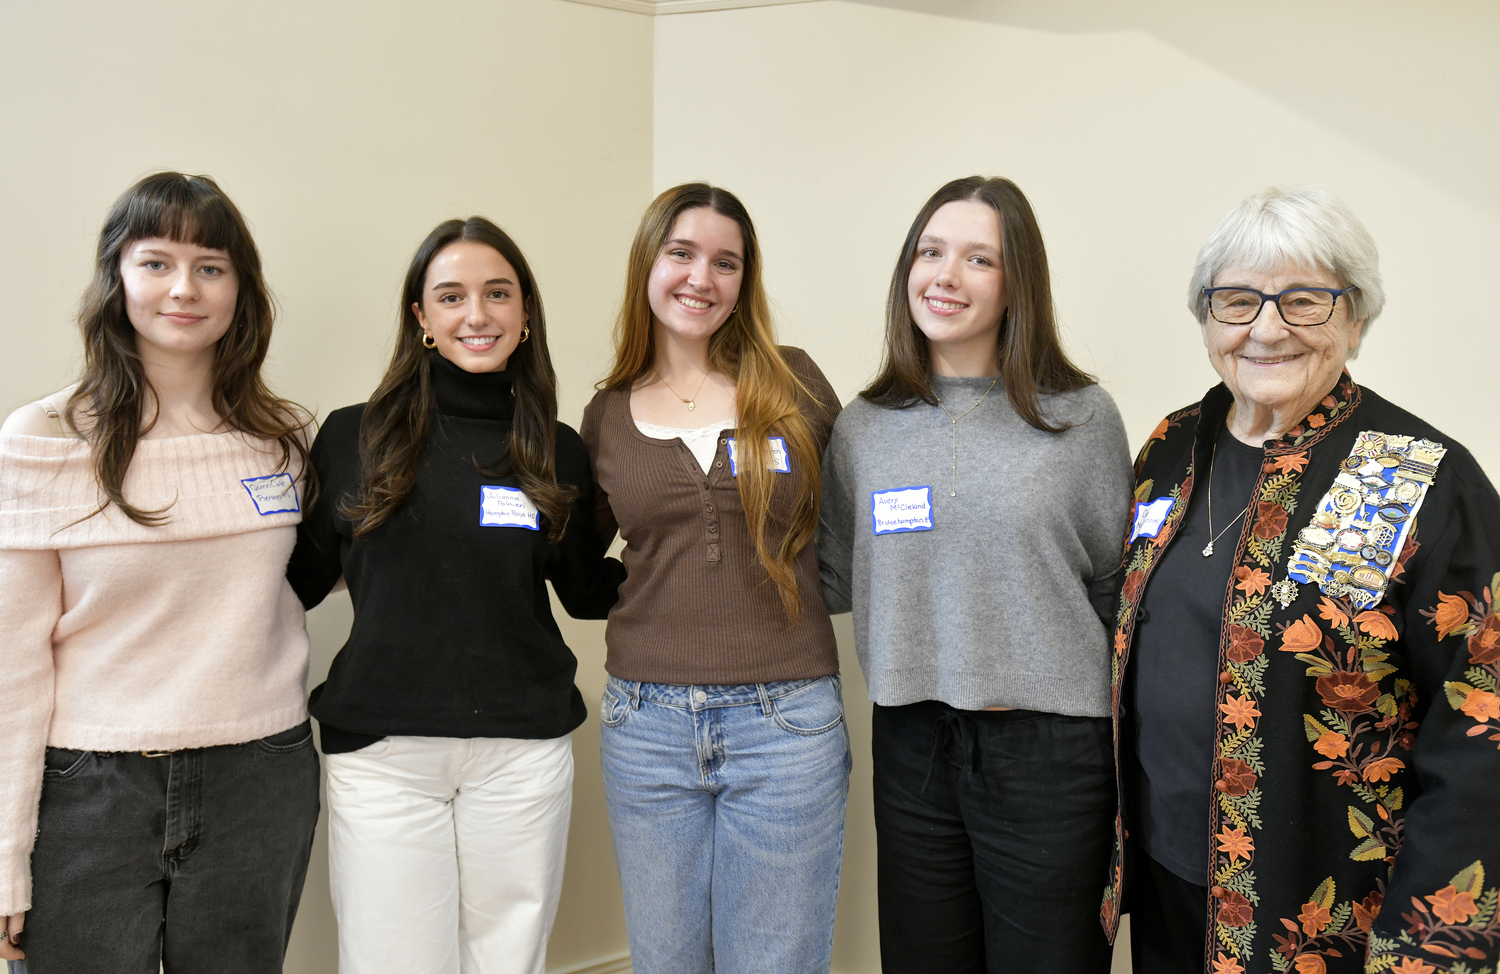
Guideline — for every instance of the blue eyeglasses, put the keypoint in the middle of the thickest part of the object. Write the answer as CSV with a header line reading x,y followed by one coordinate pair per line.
x,y
1298,306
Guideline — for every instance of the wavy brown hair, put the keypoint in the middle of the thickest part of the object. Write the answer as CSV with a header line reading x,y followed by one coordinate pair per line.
x,y
399,415
768,394
1032,360
113,396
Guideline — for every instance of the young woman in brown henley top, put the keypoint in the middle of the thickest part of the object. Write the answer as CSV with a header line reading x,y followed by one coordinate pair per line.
x,y
725,758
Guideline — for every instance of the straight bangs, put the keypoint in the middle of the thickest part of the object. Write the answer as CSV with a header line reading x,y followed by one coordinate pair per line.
x,y
183,210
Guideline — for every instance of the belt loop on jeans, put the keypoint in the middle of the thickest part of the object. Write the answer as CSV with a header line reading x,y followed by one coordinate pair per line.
x,y
635,694
765,699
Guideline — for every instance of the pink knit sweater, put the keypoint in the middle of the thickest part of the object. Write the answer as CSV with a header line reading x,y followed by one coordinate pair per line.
x,y
119,637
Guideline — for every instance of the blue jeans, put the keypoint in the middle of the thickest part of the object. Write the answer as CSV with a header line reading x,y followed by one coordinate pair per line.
x,y
726,804
192,860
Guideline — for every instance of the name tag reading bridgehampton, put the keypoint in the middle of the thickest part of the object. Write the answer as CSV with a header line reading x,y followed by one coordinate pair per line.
x,y
276,494
1149,518
507,507
779,460
898,511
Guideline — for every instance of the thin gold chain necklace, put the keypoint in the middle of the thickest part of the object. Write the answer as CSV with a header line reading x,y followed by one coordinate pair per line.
x,y
953,491
692,403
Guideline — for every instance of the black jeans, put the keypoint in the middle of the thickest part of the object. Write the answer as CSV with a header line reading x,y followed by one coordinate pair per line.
x,y
1168,918
193,860
993,839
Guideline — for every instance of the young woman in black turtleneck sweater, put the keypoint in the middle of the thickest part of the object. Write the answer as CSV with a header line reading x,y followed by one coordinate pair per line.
x,y
444,503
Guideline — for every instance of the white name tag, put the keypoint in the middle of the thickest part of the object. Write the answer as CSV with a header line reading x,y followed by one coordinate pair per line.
x,y
507,507
779,460
276,494
907,509
1149,518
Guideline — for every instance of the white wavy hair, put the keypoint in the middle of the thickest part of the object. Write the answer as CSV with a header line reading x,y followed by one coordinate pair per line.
x,y
1307,226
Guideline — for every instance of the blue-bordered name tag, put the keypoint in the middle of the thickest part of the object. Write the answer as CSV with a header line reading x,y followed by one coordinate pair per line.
x,y
1149,518
901,510
507,507
779,460
276,494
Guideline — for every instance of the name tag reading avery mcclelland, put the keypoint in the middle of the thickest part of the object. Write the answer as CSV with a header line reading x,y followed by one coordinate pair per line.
x,y
899,511
779,460
507,507
1149,518
276,494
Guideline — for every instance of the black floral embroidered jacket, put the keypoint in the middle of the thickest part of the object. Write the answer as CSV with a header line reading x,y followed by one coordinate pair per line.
x,y
1356,789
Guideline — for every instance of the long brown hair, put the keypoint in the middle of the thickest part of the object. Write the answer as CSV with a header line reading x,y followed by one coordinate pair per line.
x,y
767,391
1032,360
393,432
114,392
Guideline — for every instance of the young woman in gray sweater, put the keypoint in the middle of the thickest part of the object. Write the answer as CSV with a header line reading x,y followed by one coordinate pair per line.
x,y
973,496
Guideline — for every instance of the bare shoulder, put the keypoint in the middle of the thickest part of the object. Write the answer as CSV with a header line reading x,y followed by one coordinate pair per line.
x,y
41,418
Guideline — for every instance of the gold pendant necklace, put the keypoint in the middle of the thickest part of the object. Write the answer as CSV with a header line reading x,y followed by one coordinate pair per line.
x,y
692,403
953,491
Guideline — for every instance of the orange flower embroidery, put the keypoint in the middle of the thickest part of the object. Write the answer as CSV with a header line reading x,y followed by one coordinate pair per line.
x,y
1376,624
1350,692
1451,906
1314,918
1291,463
1238,777
1240,711
1366,910
1227,965
1302,636
1244,644
1332,745
1236,843
1383,769
1410,965
1451,612
1316,420
1122,642
1251,581
1310,964
1484,645
1482,705
1160,433
1331,613
1270,520
1235,910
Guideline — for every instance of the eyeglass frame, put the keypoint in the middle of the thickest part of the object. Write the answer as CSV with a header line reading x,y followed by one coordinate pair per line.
x,y
1208,294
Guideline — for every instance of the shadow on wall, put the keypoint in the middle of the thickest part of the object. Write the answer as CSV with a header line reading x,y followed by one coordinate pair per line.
x,y
1321,61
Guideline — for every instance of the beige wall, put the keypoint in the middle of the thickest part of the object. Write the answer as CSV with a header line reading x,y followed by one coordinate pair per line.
x,y
345,131
834,121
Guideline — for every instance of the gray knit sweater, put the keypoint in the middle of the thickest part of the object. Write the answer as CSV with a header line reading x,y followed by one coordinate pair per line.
x,y
990,606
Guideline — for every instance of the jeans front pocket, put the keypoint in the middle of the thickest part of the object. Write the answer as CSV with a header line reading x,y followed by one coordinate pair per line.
x,y
289,740
811,710
64,762
615,705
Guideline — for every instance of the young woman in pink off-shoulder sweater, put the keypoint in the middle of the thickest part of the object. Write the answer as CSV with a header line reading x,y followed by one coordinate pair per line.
x,y
158,784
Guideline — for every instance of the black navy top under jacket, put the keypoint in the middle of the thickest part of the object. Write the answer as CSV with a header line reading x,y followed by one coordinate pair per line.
x,y
453,633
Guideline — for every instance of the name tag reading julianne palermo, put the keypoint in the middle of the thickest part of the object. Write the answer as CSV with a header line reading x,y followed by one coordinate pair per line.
x,y
507,507
902,510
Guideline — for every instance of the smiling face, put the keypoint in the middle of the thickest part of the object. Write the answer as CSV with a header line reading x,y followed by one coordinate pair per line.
x,y
472,306
956,288
696,279
180,297
1271,366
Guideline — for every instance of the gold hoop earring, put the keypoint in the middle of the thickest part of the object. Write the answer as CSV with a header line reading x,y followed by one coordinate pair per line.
x,y
428,341
525,333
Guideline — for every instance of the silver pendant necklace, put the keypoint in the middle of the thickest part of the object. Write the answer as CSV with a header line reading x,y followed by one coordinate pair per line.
x,y
1208,549
953,490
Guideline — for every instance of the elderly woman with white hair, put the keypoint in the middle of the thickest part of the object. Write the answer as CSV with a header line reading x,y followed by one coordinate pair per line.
x,y
1306,642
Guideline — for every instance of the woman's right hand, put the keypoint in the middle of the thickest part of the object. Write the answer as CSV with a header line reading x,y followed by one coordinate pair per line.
x,y
10,946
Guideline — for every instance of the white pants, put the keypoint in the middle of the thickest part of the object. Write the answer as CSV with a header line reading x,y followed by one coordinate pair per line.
x,y
446,854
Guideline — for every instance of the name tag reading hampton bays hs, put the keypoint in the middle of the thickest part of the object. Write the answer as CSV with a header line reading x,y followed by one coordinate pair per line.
x,y
901,510
276,494
507,507
778,461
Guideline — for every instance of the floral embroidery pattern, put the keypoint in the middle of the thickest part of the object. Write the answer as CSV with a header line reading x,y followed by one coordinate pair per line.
x,y
1247,625
1477,695
1451,926
1324,929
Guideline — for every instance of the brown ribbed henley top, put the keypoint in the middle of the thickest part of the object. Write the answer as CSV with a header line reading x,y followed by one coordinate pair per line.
x,y
697,607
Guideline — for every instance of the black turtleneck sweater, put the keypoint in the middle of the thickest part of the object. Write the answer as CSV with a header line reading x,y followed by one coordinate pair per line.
x,y
453,632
